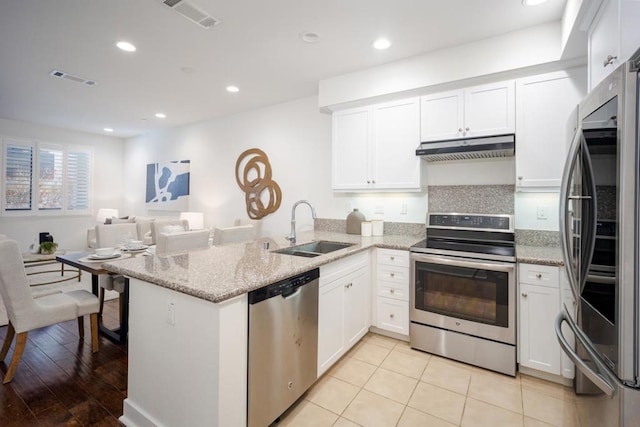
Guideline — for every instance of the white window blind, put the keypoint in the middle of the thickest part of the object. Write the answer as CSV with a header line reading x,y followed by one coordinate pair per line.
x,y
78,179
50,178
18,177
45,178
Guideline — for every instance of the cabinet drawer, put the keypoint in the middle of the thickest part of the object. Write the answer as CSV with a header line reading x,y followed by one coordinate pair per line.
x,y
393,315
399,275
393,257
542,275
393,290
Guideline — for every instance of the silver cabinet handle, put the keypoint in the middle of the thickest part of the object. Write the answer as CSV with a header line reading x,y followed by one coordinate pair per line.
x,y
348,285
368,182
391,291
459,129
538,276
392,258
392,274
373,182
467,129
520,178
524,294
391,315
609,60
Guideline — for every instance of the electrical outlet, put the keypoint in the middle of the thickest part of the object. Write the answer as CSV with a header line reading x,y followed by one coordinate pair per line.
x,y
379,209
171,314
403,209
542,212
349,207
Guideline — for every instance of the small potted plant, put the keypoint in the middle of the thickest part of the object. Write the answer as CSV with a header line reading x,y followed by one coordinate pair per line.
x,y
48,248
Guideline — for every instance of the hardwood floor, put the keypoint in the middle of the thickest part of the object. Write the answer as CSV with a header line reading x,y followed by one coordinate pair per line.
x,y
60,382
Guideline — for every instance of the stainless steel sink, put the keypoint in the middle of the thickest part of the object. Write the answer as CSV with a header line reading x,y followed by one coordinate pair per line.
x,y
314,249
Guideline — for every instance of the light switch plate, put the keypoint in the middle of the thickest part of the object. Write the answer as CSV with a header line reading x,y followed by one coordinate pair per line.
x,y
171,314
542,212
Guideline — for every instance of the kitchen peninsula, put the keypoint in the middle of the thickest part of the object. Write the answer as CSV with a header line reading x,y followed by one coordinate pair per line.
x,y
188,325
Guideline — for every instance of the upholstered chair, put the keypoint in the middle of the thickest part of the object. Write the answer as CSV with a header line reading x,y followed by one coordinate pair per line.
x,y
182,241
167,226
236,234
26,313
108,236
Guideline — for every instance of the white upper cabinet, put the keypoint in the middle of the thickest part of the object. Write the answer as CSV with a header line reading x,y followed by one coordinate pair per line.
x,y
396,136
544,105
350,150
472,112
613,37
374,147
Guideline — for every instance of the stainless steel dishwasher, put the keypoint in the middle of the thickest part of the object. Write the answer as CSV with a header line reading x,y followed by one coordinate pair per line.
x,y
283,346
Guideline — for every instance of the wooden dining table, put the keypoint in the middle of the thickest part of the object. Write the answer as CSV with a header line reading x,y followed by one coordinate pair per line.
x,y
80,261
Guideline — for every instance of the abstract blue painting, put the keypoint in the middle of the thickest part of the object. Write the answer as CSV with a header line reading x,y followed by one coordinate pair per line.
x,y
168,185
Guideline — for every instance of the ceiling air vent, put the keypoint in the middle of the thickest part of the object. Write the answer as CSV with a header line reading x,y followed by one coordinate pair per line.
x,y
192,13
63,75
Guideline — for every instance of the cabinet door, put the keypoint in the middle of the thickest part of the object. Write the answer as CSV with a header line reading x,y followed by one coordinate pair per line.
x,y
442,116
603,41
357,292
350,149
544,107
330,324
539,348
489,109
396,136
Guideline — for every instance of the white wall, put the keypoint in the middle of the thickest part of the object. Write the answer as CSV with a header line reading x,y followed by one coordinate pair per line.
x,y
69,231
526,211
297,139
521,49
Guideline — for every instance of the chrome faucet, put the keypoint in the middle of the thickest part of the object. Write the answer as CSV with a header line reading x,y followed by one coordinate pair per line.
x,y
292,236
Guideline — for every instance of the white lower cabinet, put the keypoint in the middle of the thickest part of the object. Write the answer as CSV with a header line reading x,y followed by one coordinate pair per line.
x,y
540,301
392,291
343,307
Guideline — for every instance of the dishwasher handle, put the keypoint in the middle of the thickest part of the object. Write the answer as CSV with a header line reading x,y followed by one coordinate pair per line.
x,y
287,288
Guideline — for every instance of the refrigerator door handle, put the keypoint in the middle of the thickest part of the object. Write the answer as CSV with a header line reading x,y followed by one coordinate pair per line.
x,y
589,231
564,212
601,378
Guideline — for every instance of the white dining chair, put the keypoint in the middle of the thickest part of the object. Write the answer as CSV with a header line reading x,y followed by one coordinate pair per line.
x,y
182,241
236,234
27,313
167,226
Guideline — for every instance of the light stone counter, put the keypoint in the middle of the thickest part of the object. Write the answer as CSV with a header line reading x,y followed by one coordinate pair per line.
x,y
543,255
221,272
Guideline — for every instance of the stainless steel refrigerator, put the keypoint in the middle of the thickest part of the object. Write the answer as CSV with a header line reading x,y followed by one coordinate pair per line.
x,y
599,229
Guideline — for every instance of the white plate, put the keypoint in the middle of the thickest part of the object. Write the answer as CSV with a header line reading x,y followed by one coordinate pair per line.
x,y
135,248
114,255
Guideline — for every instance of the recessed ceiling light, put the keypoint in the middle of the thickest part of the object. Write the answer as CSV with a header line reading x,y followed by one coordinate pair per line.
x,y
108,130
233,89
310,37
381,44
532,2
126,46
161,115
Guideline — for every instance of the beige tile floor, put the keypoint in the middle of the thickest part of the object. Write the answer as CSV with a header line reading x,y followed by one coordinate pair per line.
x,y
383,382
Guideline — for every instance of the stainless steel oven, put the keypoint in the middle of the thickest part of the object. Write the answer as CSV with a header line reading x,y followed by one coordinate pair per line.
x,y
462,302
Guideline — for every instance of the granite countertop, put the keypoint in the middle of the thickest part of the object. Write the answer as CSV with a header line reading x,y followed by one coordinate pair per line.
x,y
544,255
219,273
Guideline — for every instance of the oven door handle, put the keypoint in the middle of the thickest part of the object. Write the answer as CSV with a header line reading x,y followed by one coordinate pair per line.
x,y
458,262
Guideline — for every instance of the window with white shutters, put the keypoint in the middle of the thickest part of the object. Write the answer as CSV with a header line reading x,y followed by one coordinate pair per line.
x,y
45,178
50,178
18,176
78,179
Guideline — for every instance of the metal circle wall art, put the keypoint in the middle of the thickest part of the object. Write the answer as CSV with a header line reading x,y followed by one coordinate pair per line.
x,y
253,175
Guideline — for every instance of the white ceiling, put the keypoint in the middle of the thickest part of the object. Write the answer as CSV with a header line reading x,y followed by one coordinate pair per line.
x,y
257,47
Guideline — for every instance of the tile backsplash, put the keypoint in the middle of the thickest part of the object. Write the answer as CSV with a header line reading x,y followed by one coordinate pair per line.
x,y
483,199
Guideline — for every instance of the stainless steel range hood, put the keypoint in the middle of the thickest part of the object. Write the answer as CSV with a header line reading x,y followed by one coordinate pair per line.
x,y
468,148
